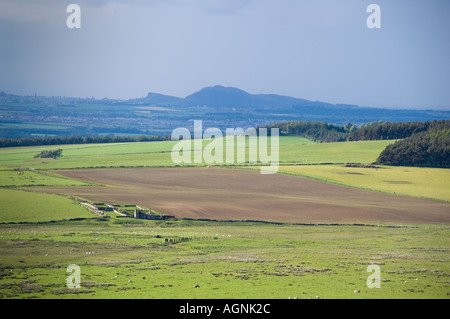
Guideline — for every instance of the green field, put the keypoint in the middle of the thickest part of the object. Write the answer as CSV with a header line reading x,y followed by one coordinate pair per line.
x,y
121,257
21,177
293,150
411,181
25,206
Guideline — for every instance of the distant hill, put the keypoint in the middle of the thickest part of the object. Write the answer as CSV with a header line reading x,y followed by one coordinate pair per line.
x,y
230,97
220,96
158,114
156,98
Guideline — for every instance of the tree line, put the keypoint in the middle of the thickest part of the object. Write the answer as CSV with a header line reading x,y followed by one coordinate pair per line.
x,y
316,131
419,143
61,140
393,131
326,132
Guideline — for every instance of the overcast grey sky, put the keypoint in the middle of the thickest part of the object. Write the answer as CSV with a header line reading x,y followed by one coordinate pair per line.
x,y
318,50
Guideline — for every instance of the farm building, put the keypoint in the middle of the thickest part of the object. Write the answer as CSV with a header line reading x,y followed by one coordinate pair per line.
x,y
143,214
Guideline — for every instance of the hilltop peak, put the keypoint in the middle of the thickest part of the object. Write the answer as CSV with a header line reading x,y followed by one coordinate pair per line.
x,y
219,96
219,89
232,97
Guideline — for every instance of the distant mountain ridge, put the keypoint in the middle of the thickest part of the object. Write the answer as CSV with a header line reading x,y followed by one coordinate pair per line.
x,y
220,96
217,96
157,98
226,97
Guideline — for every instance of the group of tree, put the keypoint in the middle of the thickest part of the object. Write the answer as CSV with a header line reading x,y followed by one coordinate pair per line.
x,y
49,154
419,143
61,140
430,148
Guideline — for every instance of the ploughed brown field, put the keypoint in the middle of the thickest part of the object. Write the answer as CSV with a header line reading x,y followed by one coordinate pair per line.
x,y
236,194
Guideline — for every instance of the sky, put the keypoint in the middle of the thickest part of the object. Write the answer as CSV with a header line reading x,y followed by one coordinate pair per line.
x,y
319,50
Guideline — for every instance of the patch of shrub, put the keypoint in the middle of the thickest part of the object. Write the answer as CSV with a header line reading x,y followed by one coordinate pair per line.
x,y
50,154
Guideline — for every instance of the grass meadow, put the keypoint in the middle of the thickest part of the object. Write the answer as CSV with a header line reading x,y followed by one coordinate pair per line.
x,y
411,181
27,206
226,260
22,178
119,257
292,150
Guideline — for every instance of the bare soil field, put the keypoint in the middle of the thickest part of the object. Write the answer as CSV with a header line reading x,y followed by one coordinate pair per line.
x,y
235,194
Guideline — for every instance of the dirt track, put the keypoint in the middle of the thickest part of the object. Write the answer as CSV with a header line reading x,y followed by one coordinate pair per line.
x,y
248,195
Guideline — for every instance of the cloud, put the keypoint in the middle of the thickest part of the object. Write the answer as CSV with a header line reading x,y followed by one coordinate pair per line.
x,y
217,6
28,10
46,10
210,6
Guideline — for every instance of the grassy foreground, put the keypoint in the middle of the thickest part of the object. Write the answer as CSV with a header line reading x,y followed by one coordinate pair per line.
x,y
124,258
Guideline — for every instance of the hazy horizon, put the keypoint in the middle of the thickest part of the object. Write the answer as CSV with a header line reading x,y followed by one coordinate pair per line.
x,y
264,93
315,50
